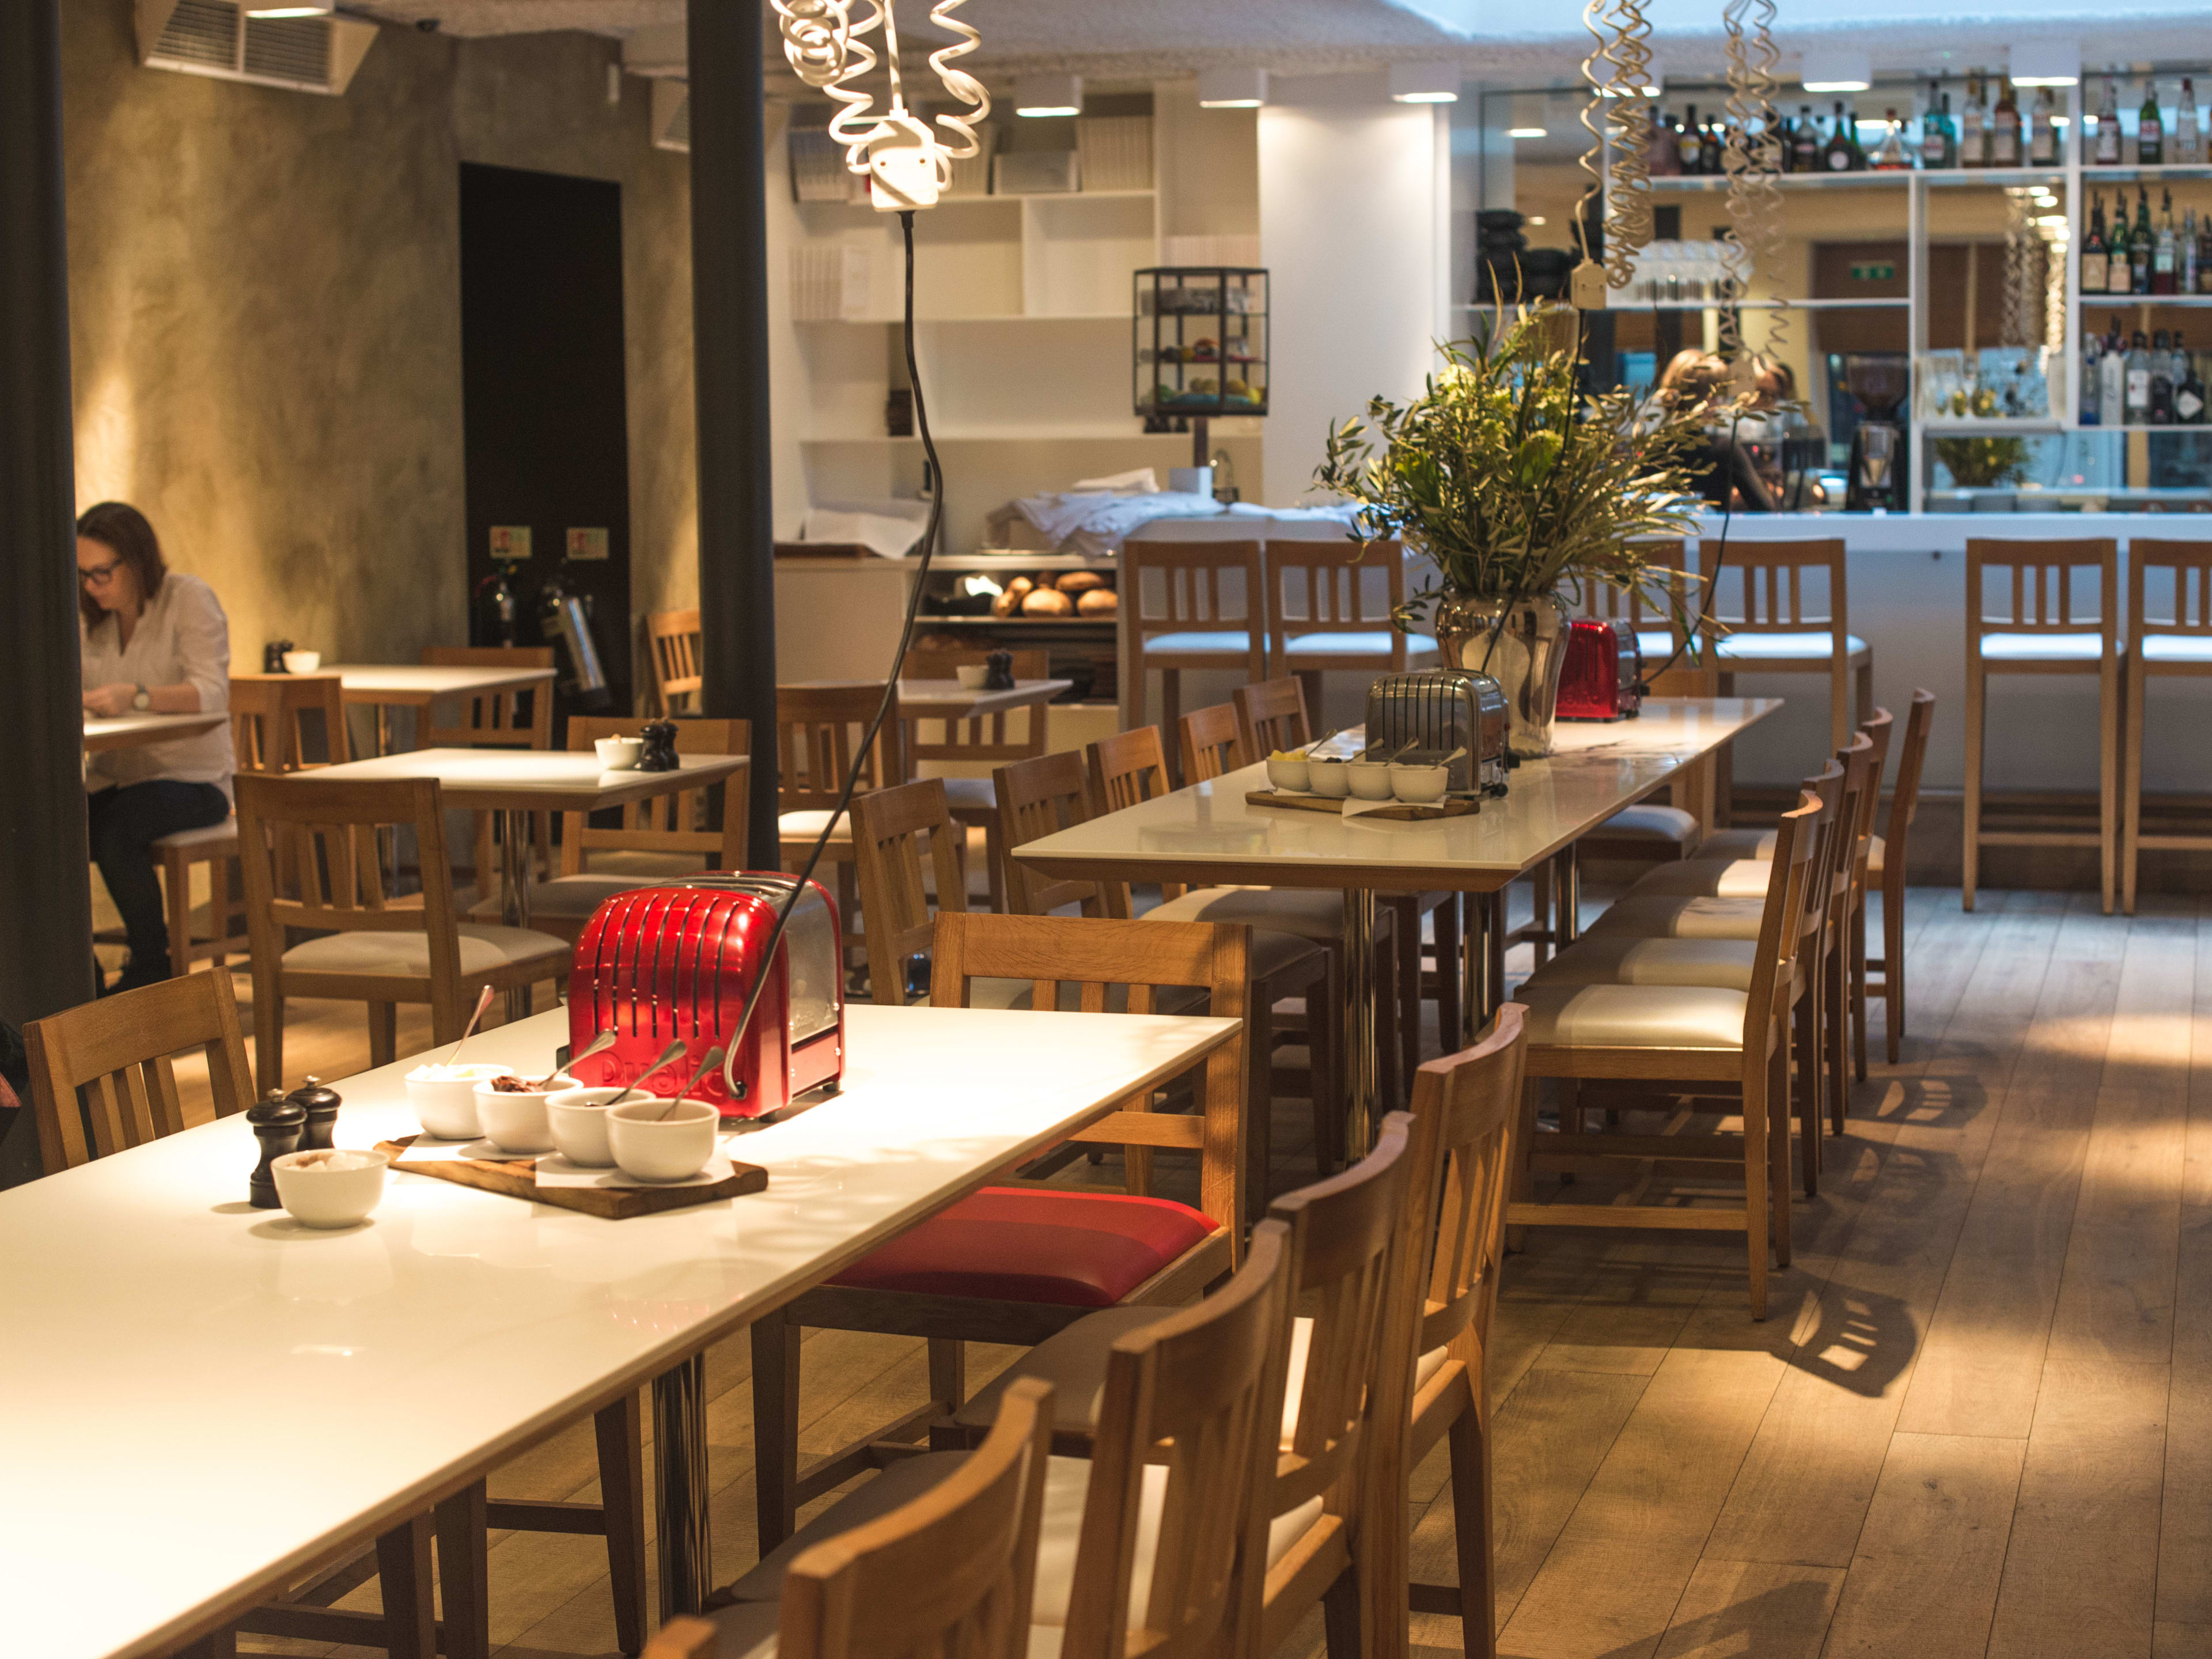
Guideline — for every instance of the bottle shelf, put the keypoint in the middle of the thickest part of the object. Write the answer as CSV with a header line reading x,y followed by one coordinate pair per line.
x,y
1877,178
2128,301
2130,174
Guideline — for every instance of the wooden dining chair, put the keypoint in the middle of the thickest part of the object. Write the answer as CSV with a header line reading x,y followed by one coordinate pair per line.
x,y
662,838
2174,642
1209,743
372,946
1324,613
950,1573
1672,1041
1040,797
672,640
1168,1513
1886,868
906,843
512,719
1016,1264
995,739
2052,609
819,731
1270,714
1188,605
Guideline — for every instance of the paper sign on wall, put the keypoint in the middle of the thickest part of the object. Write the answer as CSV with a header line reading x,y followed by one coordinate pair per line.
x,y
510,542
587,543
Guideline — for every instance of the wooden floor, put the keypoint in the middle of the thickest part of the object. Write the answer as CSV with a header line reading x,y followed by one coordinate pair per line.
x,y
1979,1421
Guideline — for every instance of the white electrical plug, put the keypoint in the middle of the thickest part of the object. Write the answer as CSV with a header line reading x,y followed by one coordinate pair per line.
x,y
906,166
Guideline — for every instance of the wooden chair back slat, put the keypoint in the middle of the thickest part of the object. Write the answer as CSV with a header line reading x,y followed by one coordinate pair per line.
x,y
681,823
1905,794
888,826
1212,743
1473,1097
818,731
672,638
117,1049
1011,735
1039,797
1329,582
1763,588
1791,891
2182,601
2041,595
1171,588
1270,714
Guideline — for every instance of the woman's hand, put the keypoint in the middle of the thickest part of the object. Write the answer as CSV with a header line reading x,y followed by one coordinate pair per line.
x,y
109,701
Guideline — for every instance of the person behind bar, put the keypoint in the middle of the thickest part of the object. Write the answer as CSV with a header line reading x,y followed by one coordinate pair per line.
x,y
155,641
1724,466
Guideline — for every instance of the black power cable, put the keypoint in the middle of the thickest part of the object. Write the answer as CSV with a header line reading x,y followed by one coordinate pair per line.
x,y
732,1044
1712,583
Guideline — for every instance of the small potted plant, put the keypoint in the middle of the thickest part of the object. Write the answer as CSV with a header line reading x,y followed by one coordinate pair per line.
x,y
1515,483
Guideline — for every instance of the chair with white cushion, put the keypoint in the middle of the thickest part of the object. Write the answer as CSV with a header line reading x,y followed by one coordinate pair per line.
x,y
373,945
1188,605
2176,643
2053,608
1330,606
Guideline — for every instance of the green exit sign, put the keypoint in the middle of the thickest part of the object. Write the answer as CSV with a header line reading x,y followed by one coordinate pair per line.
x,y
1874,271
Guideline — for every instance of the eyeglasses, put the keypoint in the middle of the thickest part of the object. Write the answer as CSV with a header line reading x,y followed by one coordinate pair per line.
x,y
99,575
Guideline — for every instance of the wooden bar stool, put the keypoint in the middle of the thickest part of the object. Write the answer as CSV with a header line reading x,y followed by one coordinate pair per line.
x,y
1775,626
2178,642
2040,621
1323,614
1188,604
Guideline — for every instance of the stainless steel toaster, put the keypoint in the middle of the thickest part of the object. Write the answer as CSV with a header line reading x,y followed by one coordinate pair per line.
x,y
1429,714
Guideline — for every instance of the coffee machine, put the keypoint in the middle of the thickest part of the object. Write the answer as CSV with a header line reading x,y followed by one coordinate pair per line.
x,y
1880,382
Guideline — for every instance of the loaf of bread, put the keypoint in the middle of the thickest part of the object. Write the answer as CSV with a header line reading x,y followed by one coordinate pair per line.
x,y
1099,602
1009,600
1046,602
1079,581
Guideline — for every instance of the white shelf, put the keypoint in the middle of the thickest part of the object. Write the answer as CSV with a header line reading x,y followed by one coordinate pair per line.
x,y
2026,426
2127,174
1889,303
1873,177
2128,301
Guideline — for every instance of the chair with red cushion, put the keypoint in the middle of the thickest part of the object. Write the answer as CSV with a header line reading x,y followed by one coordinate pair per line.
x,y
1012,1264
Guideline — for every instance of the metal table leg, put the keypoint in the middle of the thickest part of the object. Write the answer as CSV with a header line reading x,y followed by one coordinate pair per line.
x,y
1359,1058
679,1454
514,893
1567,882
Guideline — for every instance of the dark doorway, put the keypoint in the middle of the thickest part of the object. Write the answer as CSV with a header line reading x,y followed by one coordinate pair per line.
x,y
544,417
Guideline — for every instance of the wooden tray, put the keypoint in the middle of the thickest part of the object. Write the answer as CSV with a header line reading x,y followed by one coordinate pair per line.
x,y
1400,813
519,1179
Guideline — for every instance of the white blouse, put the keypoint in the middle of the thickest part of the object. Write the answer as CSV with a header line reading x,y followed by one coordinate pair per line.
x,y
182,639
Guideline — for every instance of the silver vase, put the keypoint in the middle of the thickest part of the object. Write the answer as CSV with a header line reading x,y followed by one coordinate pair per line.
x,y
1524,656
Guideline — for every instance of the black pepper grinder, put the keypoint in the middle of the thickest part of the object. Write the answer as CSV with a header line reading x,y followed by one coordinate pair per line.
x,y
998,671
277,1121
657,752
321,1103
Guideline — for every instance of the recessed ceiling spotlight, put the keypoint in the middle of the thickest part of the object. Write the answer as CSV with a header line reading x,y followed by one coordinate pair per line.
x,y
1232,87
1837,69
2047,64
1424,84
1049,94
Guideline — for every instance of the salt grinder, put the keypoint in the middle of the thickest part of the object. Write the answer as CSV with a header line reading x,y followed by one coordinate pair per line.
x,y
321,1103
277,1121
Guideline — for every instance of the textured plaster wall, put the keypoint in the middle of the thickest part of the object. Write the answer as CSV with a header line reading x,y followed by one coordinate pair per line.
x,y
265,322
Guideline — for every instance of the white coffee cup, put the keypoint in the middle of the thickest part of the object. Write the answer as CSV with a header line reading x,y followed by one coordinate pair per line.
x,y
302,662
578,1119
654,1147
618,754
972,675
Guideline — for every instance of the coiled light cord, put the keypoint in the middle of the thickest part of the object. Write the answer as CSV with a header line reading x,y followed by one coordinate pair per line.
x,y
830,51
1751,154
1617,69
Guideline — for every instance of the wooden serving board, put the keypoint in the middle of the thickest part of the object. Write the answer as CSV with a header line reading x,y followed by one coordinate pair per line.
x,y
519,1179
1400,813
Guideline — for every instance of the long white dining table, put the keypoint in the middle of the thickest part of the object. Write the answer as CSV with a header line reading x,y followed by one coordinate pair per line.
x,y
206,1401
1209,834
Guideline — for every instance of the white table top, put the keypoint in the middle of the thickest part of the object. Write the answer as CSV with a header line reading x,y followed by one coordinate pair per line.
x,y
411,682
535,779
1209,834
208,1398
130,730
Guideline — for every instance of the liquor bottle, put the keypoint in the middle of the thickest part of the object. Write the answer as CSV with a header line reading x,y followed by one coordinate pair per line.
x,y
2143,245
2119,243
1805,143
2165,254
2112,368
1840,154
2043,137
2188,134
2093,351
2204,254
2096,270
2138,380
2150,130
1708,150
2159,411
1785,142
1663,157
2108,127
1687,142
1931,128
2189,252
2004,130
2189,395
1889,156
1973,127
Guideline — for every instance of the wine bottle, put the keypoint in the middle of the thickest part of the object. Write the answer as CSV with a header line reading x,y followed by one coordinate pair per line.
x,y
2096,270
1805,143
2043,137
1687,144
2092,352
2004,130
2108,126
2189,395
1889,156
2150,131
2188,134
2165,255
1973,133
2119,244
2189,253
2138,380
2142,245
2160,409
1840,154
1785,143
1931,128
1708,150
2113,366
1663,157
2204,254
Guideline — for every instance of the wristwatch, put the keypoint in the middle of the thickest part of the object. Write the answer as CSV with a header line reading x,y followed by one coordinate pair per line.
x,y
142,700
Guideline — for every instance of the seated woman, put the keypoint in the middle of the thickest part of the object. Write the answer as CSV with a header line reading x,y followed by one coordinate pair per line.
x,y
155,641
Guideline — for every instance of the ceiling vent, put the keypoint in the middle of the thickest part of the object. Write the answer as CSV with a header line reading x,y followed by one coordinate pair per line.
x,y
671,115
215,38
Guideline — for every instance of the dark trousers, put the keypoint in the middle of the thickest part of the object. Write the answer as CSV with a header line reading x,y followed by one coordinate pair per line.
x,y
125,823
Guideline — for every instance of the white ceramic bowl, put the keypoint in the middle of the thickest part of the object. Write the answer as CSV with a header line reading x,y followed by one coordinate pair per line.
x,y
445,1104
518,1122
302,662
1370,779
972,675
1332,778
578,1118
1419,786
329,1188
1289,775
618,754
653,1148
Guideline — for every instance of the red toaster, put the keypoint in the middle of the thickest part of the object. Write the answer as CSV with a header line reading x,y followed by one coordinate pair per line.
x,y
1601,677
657,964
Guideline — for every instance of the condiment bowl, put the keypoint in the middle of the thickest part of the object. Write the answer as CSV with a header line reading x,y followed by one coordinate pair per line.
x,y
1332,778
445,1098
1292,775
972,675
1419,786
302,662
329,1188
1370,779
655,1148
518,1122
618,754
578,1118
